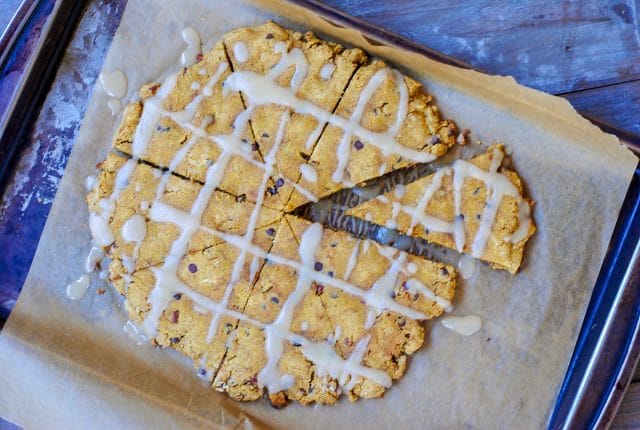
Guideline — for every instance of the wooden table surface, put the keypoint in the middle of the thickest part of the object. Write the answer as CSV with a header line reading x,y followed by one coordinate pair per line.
x,y
587,51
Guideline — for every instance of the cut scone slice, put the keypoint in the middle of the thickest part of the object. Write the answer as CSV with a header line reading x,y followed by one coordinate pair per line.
x,y
382,339
194,307
269,60
474,206
137,211
189,122
241,374
309,331
384,121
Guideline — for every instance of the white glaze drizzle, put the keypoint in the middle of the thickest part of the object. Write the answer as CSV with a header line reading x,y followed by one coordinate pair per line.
x,y
276,333
99,224
309,173
326,71
498,186
261,90
194,48
465,325
95,256
253,268
371,318
134,229
314,136
237,269
415,286
241,52
412,268
90,182
395,211
353,258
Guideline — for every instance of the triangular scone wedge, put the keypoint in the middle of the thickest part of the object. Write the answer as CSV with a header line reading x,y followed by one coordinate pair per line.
x,y
385,121
303,66
474,206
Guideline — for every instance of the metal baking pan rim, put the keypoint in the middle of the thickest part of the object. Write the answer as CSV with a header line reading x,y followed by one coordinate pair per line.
x,y
630,216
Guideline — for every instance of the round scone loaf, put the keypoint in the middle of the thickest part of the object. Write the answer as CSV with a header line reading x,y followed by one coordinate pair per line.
x,y
194,208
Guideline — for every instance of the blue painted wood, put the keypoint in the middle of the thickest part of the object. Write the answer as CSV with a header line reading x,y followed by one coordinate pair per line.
x,y
44,152
558,47
618,105
555,46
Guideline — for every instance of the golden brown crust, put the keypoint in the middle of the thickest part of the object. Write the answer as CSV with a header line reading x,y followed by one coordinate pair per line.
x,y
232,356
500,252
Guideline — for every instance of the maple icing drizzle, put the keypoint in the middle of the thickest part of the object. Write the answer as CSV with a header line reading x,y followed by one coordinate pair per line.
x,y
498,186
260,90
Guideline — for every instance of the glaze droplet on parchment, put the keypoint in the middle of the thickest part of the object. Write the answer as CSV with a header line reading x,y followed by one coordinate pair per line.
x,y
467,266
194,47
115,85
465,325
77,288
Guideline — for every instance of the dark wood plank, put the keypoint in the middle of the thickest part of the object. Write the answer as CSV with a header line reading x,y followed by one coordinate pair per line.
x,y
554,46
619,105
628,416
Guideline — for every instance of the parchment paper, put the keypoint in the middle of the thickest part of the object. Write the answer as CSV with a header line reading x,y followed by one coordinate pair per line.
x,y
66,364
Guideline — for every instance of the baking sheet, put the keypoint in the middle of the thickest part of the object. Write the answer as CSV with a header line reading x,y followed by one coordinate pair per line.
x,y
70,364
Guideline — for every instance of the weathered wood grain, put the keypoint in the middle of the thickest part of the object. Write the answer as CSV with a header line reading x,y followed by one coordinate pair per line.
x,y
557,46
618,105
628,416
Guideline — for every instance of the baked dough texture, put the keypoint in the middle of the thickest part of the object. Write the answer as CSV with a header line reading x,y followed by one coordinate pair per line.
x,y
193,206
